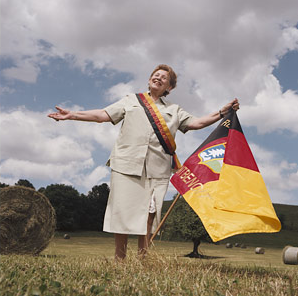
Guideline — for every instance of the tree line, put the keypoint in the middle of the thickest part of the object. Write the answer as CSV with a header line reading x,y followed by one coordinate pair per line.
x,y
74,211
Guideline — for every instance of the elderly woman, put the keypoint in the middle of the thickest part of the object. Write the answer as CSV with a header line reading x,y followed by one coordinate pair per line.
x,y
141,160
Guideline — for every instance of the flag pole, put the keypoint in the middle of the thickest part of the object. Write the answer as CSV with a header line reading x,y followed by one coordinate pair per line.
x,y
164,218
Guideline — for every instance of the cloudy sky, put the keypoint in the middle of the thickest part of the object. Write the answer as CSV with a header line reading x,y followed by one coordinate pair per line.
x,y
85,54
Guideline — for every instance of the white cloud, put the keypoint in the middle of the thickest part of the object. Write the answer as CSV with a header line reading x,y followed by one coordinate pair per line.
x,y
187,143
283,196
220,50
288,40
55,172
279,175
94,178
32,136
118,91
24,71
34,146
272,110
6,90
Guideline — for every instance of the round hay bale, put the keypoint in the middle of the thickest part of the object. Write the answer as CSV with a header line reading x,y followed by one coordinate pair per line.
x,y
243,246
237,245
66,236
290,255
229,245
27,221
259,250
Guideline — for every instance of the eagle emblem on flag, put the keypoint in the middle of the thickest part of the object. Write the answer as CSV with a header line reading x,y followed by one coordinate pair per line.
x,y
213,157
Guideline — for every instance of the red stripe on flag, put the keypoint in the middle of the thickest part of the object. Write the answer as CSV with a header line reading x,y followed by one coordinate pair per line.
x,y
238,152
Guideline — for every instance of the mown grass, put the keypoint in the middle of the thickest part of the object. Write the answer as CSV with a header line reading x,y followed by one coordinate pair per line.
x,y
84,265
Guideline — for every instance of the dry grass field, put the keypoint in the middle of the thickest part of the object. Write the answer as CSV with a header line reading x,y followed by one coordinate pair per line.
x,y
84,265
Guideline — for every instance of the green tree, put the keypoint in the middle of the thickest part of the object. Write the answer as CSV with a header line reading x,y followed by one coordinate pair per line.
x,y
95,204
24,182
184,223
2,185
41,190
67,203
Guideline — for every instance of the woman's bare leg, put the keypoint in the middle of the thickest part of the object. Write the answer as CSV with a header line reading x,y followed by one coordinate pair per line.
x,y
120,246
143,242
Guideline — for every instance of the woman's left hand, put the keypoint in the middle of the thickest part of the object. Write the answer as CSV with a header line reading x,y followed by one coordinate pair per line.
x,y
233,104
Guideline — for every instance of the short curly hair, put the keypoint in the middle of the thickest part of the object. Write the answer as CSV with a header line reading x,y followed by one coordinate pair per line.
x,y
173,76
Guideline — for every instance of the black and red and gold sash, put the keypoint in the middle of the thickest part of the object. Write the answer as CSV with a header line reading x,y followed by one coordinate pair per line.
x,y
160,127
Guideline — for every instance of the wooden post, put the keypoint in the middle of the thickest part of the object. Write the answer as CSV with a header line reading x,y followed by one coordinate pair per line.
x,y
164,218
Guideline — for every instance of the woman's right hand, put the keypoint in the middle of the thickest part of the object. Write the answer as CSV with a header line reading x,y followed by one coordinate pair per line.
x,y
62,114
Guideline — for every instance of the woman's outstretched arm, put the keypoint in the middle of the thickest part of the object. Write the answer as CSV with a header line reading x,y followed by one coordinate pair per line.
x,y
201,122
97,115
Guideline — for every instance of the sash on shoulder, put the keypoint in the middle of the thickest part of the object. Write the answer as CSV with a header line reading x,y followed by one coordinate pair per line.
x,y
160,127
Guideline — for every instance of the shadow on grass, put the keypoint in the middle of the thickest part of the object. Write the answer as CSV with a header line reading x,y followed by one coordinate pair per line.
x,y
200,256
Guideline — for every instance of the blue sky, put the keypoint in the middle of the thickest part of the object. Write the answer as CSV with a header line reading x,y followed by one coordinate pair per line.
x,y
87,54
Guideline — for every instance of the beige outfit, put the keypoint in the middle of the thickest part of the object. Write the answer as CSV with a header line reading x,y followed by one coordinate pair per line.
x,y
140,167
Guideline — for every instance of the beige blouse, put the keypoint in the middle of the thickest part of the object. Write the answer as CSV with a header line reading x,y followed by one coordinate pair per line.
x,y
137,145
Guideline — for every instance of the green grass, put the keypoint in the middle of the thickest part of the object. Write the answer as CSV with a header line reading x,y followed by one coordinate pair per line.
x,y
99,244
84,265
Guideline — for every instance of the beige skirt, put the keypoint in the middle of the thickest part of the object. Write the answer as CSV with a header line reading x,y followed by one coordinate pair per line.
x,y
129,201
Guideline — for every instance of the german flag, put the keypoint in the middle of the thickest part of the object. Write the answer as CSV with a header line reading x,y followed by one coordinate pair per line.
x,y
223,185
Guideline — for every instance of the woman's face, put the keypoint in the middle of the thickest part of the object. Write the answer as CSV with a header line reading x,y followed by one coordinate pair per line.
x,y
160,82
